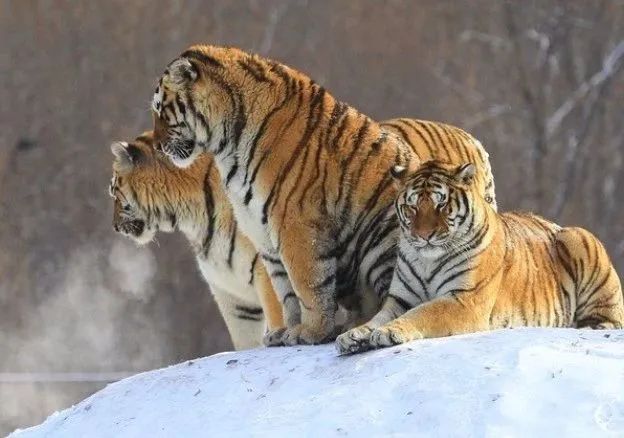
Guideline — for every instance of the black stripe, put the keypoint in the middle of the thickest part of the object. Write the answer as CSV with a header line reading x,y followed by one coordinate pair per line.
x,y
254,70
209,203
453,277
406,283
232,245
249,318
413,273
252,270
271,259
231,173
201,57
401,302
290,295
250,310
329,280
279,274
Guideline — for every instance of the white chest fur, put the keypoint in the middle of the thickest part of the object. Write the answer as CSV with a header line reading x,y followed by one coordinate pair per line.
x,y
249,215
217,271
434,271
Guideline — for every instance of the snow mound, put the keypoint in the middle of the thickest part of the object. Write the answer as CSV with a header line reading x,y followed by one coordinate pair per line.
x,y
523,382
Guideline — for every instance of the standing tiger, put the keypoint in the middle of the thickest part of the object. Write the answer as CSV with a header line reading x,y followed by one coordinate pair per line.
x,y
151,194
307,175
462,268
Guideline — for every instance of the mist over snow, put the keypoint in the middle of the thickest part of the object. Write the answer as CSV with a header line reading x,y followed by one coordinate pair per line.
x,y
82,324
507,383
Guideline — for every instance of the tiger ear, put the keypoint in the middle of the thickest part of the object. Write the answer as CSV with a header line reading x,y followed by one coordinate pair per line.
x,y
398,173
181,72
126,155
465,173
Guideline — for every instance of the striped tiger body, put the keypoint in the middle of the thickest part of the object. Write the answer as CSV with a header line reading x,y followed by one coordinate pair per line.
x,y
151,195
462,267
307,176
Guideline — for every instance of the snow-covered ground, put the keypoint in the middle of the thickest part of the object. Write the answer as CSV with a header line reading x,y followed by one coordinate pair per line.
x,y
511,383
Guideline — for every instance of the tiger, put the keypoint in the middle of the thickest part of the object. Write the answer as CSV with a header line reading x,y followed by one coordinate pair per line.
x,y
306,174
151,194
462,267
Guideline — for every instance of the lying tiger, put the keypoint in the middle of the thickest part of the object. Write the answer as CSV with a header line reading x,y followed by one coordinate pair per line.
x,y
463,268
151,195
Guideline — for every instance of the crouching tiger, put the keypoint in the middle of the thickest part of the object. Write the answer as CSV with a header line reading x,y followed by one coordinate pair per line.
x,y
151,194
463,268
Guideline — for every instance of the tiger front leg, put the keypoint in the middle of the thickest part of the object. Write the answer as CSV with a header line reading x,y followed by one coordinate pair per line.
x,y
312,274
444,316
357,339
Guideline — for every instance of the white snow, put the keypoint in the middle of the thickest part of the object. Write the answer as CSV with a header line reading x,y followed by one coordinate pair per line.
x,y
507,383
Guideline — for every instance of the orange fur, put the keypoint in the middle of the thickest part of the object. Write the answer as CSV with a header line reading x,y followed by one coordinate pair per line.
x,y
307,175
164,197
492,271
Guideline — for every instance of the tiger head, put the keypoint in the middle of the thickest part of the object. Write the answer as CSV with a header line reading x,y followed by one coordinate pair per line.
x,y
150,193
436,204
200,101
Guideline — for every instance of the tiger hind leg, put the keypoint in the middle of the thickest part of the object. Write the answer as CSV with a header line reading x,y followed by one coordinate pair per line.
x,y
245,321
589,281
283,290
271,306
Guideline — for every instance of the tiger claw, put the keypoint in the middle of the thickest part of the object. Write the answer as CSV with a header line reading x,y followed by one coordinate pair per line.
x,y
389,336
273,338
356,340
303,335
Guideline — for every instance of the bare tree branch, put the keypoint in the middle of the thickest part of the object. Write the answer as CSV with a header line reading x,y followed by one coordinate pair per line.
x,y
610,66
494,41
468,94
575,141
488,114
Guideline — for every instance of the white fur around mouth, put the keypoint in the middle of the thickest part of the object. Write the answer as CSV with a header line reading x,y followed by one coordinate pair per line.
x,y
422,244
144,238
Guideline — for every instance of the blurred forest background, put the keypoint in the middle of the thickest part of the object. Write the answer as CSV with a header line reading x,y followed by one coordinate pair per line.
x,y
539,82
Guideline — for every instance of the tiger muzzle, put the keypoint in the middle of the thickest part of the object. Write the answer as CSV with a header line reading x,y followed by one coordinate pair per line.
x,y
426,220
134,227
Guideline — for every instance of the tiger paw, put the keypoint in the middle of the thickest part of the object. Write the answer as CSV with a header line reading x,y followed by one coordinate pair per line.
x,y
273,338
304,335
354,341
388,336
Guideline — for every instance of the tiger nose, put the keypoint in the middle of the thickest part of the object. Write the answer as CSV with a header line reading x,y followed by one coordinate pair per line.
x,y
425,234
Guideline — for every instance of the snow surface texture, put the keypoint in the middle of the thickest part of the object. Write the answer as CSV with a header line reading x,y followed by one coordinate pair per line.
x,y
507,383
